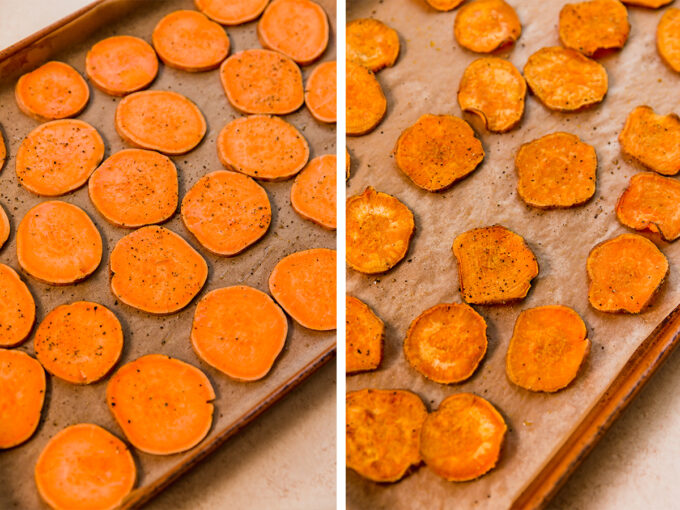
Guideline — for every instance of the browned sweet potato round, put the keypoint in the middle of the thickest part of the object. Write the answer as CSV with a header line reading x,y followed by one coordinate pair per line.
x,y
372,44
594,25
364,337
486,25
668,38
365,102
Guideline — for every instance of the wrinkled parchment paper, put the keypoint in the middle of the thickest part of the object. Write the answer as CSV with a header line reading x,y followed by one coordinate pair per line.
x,y
67,404
425,80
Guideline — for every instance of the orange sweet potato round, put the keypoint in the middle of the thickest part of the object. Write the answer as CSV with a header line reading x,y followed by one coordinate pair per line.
x,y
547,348
3,151
365,103
445,5
364,337
625,272
486,25
58,157
379,230
446,343
232,12
371,43
565,80
4,227
314,193
17,308
668,38
651,4
556,170
462,439
383,433
321,91
594,25
494,90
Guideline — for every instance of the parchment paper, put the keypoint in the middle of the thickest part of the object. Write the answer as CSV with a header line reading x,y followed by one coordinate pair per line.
x,y
425,80
68,404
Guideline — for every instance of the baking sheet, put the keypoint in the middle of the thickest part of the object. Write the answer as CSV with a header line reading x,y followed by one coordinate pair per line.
x,y
67,404
425,80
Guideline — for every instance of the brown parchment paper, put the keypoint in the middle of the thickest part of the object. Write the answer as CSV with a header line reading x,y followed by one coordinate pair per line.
x,y
68,404
425,80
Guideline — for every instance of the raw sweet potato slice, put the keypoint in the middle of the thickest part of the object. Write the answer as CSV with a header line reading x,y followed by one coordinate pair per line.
x,y
495,265
304,284
4,227
296,28
486,25
22,380
494,90
625,272
383,433
53,91
155,270
651,202
58,157
462,439
556,170
371,43
263,147
79,342
668,38
320,93
654,140
446,343
379,230
262,81
437,151
365,102
162,404
445,5
84,467
594,25
226,211
240,331
17,308
364,337
160,120
651,4
547,348
565,80
314,193
188,40
135,187
57,243
232,12
121,64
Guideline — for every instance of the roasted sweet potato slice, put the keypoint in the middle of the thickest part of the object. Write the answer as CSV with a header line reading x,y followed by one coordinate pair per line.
x,y
445,5
651,202
226,211
17,308
189,41
321,91
162,404
494,90
57,243
364,337
79,342
314,193
240,331
654,140
22,380
135,187
53,91
383,433
262,81
232,12
495,265
565,80
547,348
486,25
264,147
4,227
556,170
365,103
121,64
296,28
651,4
437,151
304,284
668,38
446,343
371,43
594,25
58,157
3,151
625,272
155,270
462,439
348,163
83,467
379,230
